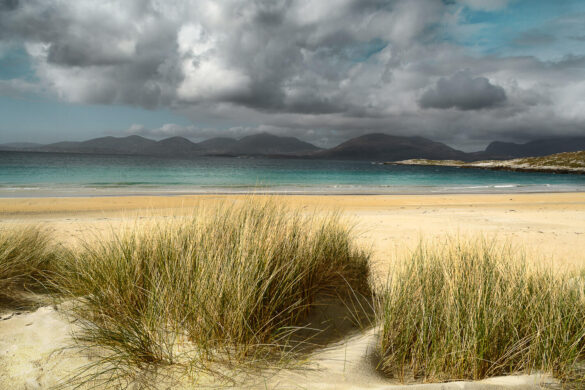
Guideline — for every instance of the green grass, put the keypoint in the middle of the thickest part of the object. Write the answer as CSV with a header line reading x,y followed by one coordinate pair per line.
x,y
474,309
26,258
229,285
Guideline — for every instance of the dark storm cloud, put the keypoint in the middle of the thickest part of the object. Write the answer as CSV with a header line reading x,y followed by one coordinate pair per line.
x,y
275,56
83,54
463,91
324,70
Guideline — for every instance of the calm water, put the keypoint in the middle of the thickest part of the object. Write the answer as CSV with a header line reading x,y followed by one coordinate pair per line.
x,y
53,174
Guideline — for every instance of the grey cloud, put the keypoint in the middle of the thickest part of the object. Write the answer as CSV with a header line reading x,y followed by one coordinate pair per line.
x,y
535,38
84,54
8,5
463,91
270,53
88,53
323,71
18,88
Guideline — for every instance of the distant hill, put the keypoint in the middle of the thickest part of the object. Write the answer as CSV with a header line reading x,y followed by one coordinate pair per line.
x,y
536,148
259,144
133,144
383,147
370,147
173,147
268,144
568,162
218,145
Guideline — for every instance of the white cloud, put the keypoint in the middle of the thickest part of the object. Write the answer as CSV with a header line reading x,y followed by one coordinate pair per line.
x,y
206,75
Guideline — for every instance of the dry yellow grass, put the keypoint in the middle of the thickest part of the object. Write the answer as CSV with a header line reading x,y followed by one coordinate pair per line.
x,y
27,257
471,309
230,286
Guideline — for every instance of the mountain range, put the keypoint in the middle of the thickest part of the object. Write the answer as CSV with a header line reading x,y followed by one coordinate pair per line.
x,y
383,147
537,148
369,147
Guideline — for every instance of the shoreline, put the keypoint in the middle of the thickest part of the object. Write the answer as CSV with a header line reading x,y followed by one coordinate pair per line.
x,y
560,171
101,203
561,163
504,189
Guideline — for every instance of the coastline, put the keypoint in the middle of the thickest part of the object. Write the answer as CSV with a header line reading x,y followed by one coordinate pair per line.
x,y
556,170
337,190
19,205
559,163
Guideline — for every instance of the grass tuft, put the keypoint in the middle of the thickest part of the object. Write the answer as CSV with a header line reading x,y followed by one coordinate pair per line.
x,y
26,258
475,309
229,285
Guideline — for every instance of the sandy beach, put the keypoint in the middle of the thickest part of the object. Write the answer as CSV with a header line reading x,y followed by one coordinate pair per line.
x,y
551,228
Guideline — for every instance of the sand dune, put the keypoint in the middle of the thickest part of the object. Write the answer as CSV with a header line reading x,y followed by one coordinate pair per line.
x,y
35,353
33,350
33,345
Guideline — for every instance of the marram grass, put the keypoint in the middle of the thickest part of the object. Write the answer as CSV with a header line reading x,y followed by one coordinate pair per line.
x,y
26,258
227,286
474,309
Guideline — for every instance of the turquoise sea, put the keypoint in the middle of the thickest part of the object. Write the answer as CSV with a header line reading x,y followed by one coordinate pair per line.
x,y
54,174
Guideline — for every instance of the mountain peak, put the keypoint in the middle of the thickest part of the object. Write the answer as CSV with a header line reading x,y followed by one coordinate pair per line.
x,y
263,134
385,147
269,144
176,138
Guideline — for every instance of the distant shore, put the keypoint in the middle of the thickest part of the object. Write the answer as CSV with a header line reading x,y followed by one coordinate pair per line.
x,y
495,167
563,163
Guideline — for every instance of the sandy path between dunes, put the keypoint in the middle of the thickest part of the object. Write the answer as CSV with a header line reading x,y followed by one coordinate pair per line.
x,y
550,226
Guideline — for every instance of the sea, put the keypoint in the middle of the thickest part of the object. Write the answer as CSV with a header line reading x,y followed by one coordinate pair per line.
x,y
71,175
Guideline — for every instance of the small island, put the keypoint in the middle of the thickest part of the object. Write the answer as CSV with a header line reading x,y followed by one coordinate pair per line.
x,y
570,162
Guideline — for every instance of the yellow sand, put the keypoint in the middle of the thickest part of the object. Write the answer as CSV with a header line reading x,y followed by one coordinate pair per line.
x,y
550,226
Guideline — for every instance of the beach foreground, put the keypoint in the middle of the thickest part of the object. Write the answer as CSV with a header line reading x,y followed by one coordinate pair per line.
x,y
551,228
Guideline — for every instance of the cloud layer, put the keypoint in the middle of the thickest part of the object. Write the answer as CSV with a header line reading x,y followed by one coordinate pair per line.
x,y
324,70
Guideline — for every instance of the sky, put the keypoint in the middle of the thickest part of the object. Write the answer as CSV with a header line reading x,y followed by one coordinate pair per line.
x,y
464,72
